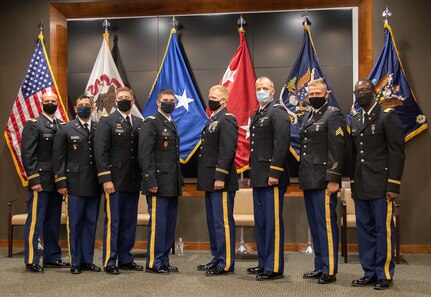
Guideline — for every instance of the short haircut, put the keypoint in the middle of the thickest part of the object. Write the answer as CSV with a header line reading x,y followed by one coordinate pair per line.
x,y
319,82
165,92
222,89
263,78
124,89
82,97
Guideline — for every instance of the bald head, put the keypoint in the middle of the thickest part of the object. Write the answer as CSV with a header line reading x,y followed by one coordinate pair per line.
x,y
264,85
364,84
49,97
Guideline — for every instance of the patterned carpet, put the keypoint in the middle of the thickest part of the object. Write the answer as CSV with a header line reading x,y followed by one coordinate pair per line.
x,y
412,278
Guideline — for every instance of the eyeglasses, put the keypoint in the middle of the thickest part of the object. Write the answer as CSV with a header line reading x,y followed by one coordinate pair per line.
x,y
363,91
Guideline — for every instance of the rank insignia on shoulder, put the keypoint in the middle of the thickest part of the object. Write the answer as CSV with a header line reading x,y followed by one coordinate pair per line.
x,y
33,120
105,115
151,117
339,131
229,114
332,108
389,109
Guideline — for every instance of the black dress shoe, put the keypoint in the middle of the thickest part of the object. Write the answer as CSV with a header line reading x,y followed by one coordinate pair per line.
x,y
75,270
206,267
326,279
131,266
364,281
269,275
56,264
112,270
255,270
316,274
172,268
90,267
216,271
35,268
160,270
383,284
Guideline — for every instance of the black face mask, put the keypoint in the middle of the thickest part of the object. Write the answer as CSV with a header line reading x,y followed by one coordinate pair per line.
x,y
124,105
84,111
317,102
364,100
214,105
50,108
167,107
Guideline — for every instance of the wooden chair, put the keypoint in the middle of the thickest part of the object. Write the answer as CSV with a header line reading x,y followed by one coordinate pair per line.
x,y
348,221
19,220
243,213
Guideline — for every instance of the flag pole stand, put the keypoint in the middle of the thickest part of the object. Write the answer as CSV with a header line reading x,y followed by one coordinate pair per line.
x,y
309,249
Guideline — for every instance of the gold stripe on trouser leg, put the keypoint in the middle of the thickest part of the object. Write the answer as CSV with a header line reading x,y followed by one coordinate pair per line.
x,y
108,228
388,240
277,230
66,198
226,230
153,229
32,226
329,233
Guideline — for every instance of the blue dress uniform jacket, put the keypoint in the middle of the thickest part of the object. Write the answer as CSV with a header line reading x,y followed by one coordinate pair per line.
x,y
217,152
269,145
323,148
36,147
159,157
378,147
116,149
73,160
44,208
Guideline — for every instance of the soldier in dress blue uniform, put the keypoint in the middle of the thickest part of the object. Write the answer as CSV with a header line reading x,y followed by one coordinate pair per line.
x,y
269,177
162,181
218,178
76,179
116,152
44,203
378,148
323,147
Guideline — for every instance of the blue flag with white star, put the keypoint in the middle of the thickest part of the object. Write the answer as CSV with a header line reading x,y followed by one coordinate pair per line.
x,y
393,90
295,91
189,114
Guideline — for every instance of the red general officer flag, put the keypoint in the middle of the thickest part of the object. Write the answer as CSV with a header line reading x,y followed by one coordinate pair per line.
x,y
240,79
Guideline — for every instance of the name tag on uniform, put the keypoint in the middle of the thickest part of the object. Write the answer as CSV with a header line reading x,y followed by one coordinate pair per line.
x,y
75,137
166,133
47,135
119,130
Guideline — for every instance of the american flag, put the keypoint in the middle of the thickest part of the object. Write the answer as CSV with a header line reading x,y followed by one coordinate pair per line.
x,y
38,80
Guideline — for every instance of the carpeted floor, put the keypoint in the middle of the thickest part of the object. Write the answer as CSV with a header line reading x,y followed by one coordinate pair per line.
x,y
412,278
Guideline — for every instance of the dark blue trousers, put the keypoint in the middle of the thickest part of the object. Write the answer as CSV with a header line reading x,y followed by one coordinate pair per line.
x,y
376,237
322,220
121,209
268,219
221,228
82,214
43,220
161,229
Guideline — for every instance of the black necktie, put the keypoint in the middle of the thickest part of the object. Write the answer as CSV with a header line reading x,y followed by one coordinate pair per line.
x,y
86,127
128,121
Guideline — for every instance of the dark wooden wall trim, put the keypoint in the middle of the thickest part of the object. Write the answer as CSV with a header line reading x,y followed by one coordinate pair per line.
x,y
60,12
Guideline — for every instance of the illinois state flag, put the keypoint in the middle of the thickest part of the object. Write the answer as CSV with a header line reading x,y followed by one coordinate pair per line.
x,y
240,80
390,81
189,114
295,91
104,81
38,80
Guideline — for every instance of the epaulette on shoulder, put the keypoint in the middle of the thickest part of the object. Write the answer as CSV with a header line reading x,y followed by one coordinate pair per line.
x,y
149,118
276,105
389,109
230,114
332,108
63,123
33,120
105,115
